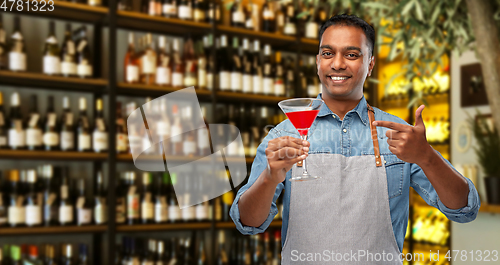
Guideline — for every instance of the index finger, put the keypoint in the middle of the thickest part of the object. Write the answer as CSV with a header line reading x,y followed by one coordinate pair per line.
x,y
283,141
392,125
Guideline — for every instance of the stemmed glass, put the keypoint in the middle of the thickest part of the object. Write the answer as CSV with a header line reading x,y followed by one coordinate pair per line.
x,y
301,112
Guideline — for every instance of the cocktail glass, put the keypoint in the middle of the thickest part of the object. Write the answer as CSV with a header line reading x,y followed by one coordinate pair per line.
x,y
301,112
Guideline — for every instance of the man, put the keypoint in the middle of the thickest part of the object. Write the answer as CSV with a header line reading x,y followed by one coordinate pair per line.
x,y
357,211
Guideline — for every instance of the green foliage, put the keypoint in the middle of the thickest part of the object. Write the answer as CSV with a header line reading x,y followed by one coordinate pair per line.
x,y
488,146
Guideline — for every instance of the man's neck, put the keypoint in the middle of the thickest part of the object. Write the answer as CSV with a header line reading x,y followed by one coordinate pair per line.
x,y
340,107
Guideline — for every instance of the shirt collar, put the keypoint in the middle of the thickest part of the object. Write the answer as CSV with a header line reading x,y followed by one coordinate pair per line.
x,y
361,109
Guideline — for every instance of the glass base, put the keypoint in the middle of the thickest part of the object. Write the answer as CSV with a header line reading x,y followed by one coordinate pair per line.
x,y
304,177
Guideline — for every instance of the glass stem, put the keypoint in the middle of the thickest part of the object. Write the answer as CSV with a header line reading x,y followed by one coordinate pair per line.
x,y
304,166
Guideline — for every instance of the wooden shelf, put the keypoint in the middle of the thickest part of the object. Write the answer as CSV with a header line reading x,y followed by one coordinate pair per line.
x,y
68,11
224,96
231,225
278,41
489,208
128,158
27,79
52,155
144,22
4,231
162,227
154,90
309,45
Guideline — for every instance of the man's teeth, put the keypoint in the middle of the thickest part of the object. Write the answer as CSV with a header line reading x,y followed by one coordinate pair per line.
x,y
338,77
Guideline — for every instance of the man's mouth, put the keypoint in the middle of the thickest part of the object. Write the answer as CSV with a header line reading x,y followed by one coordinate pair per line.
x,y
338,78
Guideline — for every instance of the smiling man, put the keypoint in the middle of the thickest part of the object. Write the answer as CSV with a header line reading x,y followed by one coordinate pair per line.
x,y
367,160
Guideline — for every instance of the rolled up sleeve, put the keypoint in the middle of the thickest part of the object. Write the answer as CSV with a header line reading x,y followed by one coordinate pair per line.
x,y
423,187
258,166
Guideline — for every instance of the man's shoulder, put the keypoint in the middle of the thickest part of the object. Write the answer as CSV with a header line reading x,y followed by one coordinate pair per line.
x,y
384,116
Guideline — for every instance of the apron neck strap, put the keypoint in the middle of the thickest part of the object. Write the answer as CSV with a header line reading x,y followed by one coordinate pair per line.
x,y
373,129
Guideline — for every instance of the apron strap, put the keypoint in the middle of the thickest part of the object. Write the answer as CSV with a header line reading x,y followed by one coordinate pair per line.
x,y
376,149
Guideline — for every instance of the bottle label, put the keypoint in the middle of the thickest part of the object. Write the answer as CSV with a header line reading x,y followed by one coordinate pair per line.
x,y
189,80
120,210
257,84
279,88
66,214
232,149
67,140
84,216
224,80
236,81
290,29
203,140
152,8
176,133
170,9
177,79
17,61
267,14
33,214
68,68
100,141
51,139
149,63
100,213
84,70
51,65
121,142
280,20
163,129
132,204
312,90
238,16
3,141
84,142
33,137
94,2
199,15
249,23
17,138
202,77
16,215
247,84
210,81
135,142
312,30
189,147
185,12
161,210
267,85
202,211
188,213
174,212
147,208
132,73
163,76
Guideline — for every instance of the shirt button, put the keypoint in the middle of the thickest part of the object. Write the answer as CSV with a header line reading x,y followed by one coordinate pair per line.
x,y
333,115
344,130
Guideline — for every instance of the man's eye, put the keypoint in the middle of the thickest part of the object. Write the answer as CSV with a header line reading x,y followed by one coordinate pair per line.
x,y
352,55
327,54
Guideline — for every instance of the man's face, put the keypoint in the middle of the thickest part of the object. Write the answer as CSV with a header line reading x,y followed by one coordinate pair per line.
x,y
344,62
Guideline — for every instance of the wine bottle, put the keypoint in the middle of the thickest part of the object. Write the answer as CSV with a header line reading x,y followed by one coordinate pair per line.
x,y
246,61
100,206
3,46
249,18
176,132
199,10
170,8
313,82
222,257
244,127
236,67
84,61
202,256
149,252
227,201
147,206
148,62
268,21
267,256
67,128
280,18
290,27
51,59
83,128
50,195
185,10
152,8
177,66
204,135
201,64
15,211
125,5
94,2
279,83
133,202
34,128
15,255
277,248
65,203
207,48
3,125
311,26
224,64
82,205
256,69
33,202
289,73
100,134
237,15
120,204
268,79
256,250
160,258
161,206
121,131
131,65
83,255
51,130
68,54
190,60
50,255
67,255
33,258
17,49
16,133
3,206
163,66
174,212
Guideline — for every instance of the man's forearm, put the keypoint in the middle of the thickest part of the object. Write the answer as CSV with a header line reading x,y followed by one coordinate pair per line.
x,y
255,203
451,187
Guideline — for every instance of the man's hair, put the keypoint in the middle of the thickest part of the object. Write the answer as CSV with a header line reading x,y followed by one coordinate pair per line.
x,y
351,20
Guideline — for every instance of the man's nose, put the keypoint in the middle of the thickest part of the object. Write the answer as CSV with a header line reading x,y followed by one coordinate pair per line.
x,y
338,62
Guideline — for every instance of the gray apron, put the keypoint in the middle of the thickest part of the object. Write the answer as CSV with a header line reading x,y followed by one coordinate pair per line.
x,y
344,216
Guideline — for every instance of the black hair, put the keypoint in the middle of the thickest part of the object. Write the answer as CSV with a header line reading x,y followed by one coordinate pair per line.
x,y
351,20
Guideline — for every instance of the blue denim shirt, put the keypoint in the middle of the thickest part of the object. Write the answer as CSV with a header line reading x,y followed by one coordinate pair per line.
x,y
351,137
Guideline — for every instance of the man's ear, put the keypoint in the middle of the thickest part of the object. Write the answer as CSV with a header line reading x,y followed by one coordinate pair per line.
x,y
371,65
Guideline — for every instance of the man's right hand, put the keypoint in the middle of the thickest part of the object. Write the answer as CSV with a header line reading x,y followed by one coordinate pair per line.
x,y
282,153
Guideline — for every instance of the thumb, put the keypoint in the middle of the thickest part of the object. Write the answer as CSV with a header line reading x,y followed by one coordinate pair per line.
x,y
418,116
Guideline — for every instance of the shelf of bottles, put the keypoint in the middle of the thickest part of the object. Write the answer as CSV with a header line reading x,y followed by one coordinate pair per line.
x,y
63,253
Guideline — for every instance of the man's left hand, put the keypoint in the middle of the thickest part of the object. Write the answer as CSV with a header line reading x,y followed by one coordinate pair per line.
x,y
407,142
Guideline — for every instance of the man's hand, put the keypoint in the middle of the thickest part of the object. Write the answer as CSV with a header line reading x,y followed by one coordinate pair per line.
x,y
282,153
407,142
